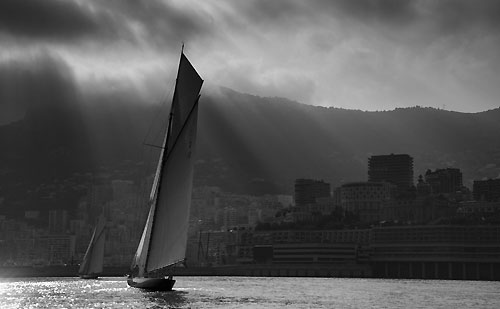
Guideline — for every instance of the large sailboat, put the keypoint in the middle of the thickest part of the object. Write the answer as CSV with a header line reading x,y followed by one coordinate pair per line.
x,y
92,264
163,242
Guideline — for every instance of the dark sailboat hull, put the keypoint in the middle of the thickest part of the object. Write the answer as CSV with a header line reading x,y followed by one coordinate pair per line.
x,y
151,284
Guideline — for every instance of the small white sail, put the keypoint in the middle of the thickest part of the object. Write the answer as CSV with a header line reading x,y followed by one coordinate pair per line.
x,y
93,260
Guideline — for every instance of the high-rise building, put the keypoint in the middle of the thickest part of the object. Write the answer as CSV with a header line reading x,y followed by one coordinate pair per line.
x,y
308,190
394,168
448,180
486,190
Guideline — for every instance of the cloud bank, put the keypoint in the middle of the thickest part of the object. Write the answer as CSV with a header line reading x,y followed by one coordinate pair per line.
x,y
367,54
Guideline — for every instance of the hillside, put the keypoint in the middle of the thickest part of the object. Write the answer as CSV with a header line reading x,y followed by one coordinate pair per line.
x,y
278,140
247,144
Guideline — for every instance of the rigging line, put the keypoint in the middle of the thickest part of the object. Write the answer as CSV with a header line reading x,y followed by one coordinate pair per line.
x,y
154,146
162,104
148,157
173,264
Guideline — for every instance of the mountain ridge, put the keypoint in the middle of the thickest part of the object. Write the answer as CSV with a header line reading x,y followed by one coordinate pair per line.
x,y
248,144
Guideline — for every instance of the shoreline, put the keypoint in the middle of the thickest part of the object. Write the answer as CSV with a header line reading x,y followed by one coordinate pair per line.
x,y
251,270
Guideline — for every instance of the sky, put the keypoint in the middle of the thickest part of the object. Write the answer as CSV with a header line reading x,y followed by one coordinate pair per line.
x,y
365,54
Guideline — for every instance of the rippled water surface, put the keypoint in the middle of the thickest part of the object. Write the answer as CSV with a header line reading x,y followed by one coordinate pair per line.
x,y
242,292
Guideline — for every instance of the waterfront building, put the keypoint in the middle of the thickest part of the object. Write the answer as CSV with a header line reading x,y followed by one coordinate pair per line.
x,y
313,253
354,236
394,168
469,252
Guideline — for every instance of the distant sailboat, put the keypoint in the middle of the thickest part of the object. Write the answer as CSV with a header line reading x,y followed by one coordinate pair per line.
x,y
164,239
93,261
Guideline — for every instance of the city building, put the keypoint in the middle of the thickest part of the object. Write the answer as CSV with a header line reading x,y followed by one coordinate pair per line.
x,y
486,190
314,253
56,249
479,207
308,190
448,180
394,168
368,200
468,252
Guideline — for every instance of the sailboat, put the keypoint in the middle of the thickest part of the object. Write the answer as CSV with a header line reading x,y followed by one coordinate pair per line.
x,y
93,261
164,239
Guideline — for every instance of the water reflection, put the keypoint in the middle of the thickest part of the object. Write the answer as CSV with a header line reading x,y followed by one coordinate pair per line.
x,y
171,299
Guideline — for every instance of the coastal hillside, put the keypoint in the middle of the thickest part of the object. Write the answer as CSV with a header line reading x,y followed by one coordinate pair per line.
x,y
246,144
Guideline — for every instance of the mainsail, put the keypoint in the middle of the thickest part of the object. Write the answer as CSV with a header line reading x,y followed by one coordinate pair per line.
x,y
93,260
164,239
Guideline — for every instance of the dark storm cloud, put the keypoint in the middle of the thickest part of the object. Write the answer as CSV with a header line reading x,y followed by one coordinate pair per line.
x,y
295,11
456,15
445,15
48,19
350,53
444,12
134,21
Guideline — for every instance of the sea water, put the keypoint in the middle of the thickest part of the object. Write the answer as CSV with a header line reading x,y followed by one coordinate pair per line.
x,y
250,292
